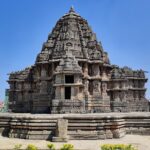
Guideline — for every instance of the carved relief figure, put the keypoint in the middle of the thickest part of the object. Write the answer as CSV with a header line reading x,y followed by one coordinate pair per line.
x,y
95,86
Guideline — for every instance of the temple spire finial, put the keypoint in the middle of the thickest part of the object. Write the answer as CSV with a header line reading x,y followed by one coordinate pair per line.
x,y
71,9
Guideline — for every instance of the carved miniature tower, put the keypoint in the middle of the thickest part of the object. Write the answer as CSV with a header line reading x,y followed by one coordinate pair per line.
x,y
68,86
72,74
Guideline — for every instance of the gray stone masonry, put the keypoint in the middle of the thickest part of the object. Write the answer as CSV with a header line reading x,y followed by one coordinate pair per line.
x,y
63,127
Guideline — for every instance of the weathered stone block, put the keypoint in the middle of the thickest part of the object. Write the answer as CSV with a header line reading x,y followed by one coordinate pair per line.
x,y
109,134
61,131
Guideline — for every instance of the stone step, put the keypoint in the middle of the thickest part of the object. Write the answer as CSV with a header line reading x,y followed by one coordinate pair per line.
x,y
32,124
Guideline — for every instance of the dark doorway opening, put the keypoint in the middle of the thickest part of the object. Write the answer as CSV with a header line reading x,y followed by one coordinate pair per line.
x,y
68,92
69,79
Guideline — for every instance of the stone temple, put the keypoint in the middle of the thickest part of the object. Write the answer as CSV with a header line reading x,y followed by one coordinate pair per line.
x,y
73,74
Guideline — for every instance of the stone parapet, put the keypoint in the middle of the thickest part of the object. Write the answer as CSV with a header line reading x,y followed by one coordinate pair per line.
x,y
63,127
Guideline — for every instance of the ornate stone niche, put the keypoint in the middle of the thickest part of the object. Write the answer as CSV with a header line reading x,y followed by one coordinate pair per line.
x,y
116,96
122,96
136,95
141,84
12,85
90,72
96,86
44,71
116,85
104,74
90,87
27,86
95,69
136,84
43,87
142,95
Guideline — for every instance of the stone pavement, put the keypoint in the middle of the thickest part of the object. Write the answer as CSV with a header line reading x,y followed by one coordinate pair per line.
x,y
140,142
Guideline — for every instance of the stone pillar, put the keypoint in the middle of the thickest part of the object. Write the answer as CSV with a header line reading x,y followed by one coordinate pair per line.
x,y
61,131
72,92
62,93
86,88
53,68
85,69
57,93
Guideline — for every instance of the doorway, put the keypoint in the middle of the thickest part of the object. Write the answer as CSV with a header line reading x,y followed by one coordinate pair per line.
x,y
68,92
69,79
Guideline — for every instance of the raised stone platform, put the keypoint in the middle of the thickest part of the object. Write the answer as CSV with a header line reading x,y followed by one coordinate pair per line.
x,y
63,127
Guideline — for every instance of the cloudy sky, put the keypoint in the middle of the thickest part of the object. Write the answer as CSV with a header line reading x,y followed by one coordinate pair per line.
x,y
123,27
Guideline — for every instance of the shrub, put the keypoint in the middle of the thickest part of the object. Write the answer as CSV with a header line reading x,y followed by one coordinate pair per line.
x,y
117,147
67,147
17,147
31,147
51,146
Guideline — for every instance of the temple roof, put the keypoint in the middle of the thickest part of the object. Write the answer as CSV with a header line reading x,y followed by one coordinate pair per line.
x,y
71,10
72,33
20,75
68,64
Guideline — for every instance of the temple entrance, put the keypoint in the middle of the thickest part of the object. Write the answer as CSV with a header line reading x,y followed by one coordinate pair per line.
x,y
68,92
69,78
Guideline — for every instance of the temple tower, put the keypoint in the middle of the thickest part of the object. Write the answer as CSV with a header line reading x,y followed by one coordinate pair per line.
x,y
73,74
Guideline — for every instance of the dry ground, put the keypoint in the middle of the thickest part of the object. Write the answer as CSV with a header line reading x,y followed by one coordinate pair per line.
x,y
141,142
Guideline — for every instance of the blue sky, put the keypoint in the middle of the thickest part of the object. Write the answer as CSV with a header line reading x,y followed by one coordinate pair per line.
x,y
123,27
